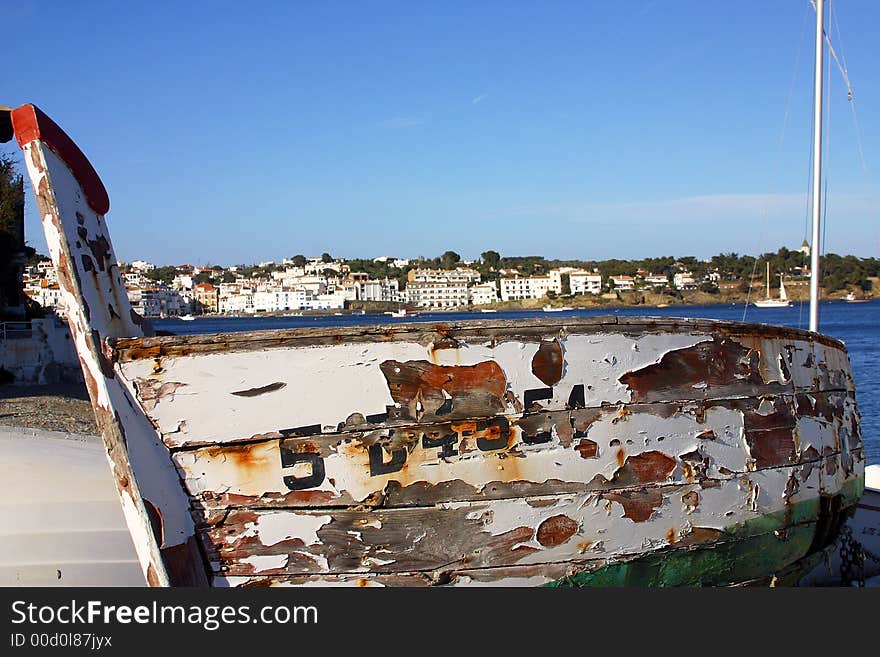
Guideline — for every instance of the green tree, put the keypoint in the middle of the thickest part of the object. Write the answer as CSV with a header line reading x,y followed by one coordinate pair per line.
x,y
565,279
449,260
709,286
299,260
491,259
326,257
162,274
12,248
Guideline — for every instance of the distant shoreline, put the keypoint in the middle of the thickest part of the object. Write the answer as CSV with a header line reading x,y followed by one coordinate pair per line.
x,y
627,300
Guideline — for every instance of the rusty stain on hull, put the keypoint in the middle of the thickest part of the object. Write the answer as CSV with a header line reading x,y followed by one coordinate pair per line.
x,y
686,373
427,391
548,361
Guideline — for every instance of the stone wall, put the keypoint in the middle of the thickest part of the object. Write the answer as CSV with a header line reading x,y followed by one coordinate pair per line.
x,y
38,352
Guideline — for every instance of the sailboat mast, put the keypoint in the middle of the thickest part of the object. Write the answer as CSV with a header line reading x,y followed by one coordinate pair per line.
x,y
768,279
817,168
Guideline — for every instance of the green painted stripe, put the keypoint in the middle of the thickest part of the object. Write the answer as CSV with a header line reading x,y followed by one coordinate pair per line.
x,y
752,550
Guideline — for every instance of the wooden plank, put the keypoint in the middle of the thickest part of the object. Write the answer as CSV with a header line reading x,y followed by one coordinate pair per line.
x,y
502,533
529,329
537,454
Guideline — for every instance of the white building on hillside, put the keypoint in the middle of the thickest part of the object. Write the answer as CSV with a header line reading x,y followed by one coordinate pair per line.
x,y
684,280
458,275
525,287
279,299
142,265
437,295
585,282
239,301
46,294
556,278
182,282
157,301
623,282
514,289
483,294
656,279
387,289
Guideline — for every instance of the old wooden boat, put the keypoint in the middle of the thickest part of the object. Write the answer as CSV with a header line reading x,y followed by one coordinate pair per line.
x,y
579,451
575,451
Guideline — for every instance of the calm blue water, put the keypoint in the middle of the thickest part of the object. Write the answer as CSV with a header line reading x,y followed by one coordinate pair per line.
x,y
856,324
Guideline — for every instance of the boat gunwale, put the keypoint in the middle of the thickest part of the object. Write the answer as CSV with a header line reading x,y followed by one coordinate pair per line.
x,y
532,328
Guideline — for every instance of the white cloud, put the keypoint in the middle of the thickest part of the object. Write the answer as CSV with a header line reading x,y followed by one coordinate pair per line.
x,y
480,98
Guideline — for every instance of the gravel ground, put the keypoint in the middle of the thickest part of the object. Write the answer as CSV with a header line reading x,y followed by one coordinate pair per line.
x,y
57,407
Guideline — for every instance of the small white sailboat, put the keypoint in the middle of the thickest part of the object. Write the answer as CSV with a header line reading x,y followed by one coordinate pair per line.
x,y
769,302
186,318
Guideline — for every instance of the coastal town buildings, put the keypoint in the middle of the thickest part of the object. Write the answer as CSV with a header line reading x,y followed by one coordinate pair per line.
x,y
684,280
141,266
206,297
306,284
483,294
235,300
437,294
458,275
398,263
387,290
525,287
157,301
585,282
623,283
45,293
556,278
652,280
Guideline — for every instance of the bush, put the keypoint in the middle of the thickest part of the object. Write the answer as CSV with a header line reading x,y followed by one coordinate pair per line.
x,y
709,287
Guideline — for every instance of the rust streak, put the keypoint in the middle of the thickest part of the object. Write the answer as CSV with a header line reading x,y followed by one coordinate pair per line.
x,y
548,362
184,564
645,468
770,436
588,449
556,530
426,391
638,505
681,372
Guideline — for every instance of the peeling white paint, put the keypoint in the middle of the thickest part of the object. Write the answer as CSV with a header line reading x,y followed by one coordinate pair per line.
x,y
265,562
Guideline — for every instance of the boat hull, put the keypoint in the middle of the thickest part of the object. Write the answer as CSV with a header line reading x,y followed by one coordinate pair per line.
x,y
591,452
772,304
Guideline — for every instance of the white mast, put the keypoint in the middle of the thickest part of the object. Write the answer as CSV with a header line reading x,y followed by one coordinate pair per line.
x,y
817,169
768,279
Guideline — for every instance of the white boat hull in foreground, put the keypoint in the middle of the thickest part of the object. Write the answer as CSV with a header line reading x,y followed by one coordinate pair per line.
x,y
62,522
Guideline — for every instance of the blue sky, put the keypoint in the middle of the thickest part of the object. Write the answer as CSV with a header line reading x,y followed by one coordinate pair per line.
x,y
241,132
